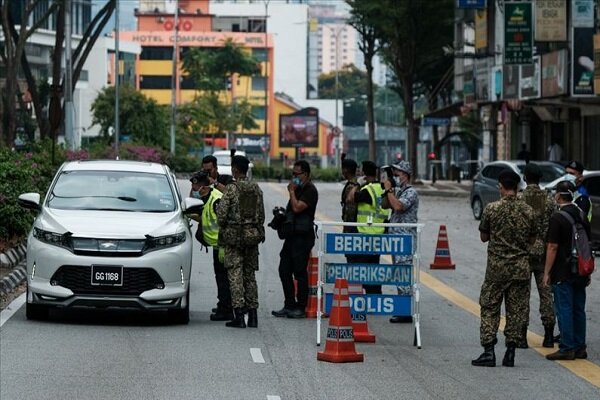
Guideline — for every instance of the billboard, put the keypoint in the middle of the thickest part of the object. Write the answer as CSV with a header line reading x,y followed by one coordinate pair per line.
x,y
299,129
510,82
582,13
518,33
551,20
582,62
482,79
529,85
554,73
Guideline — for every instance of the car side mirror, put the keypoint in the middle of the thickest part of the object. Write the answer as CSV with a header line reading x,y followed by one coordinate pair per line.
x,y
30,201
192,206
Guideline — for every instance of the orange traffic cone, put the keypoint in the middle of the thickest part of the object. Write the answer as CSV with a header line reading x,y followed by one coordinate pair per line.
x,y
442,258
313,277
359,321
339,346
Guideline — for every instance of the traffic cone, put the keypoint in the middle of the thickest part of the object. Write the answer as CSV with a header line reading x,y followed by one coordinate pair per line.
x,y
442,258
359,321
313,277
339,346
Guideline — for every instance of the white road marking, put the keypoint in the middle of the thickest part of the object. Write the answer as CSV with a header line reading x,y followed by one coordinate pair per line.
x,y
12,308
271,397
257,356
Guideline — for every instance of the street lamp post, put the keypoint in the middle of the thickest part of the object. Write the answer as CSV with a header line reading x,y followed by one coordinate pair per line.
x,y
267,139
340,135
117,94
174,78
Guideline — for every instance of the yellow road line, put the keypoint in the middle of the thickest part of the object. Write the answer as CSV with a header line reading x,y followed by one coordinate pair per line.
x,y
583,368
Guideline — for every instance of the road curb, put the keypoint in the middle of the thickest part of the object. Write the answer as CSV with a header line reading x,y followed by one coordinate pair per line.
x,y
13,258
442,193
13,279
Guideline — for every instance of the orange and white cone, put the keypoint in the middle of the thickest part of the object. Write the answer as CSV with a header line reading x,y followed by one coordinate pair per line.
x,y
442,258
313,277
359,321
339,345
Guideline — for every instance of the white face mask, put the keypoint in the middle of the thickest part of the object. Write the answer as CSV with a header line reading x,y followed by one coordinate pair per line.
x,y
398,181
571,178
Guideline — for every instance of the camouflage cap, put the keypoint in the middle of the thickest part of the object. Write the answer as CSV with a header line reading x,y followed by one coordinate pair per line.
x,y
200,178
403,166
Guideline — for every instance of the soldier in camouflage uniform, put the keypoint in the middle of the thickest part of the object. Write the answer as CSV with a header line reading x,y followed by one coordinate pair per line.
x,y
543,207
509,227
241,217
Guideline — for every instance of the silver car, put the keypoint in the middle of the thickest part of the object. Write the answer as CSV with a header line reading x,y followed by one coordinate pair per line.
x,y
110,234
485,183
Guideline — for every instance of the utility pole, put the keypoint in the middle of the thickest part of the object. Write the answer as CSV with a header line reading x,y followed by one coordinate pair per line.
x,y
117,89
69,134
340,136
174,78
267,139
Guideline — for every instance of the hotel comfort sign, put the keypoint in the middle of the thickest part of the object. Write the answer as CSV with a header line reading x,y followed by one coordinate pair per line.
x,y
196,39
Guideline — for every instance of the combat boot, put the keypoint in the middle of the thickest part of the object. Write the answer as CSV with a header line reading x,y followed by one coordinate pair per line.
x,y
548,337
509,356
252,318
238,319
522,342
487,358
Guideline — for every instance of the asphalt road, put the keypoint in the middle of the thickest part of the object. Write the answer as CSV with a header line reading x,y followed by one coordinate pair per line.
x,y
124,355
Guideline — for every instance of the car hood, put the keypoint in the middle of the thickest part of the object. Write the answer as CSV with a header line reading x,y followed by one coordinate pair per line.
x,y
110,224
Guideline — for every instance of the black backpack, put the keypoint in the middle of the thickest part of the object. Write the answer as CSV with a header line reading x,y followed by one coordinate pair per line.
x,y
581,258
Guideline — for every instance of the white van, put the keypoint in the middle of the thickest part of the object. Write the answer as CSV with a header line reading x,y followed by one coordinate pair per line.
x,y
224,161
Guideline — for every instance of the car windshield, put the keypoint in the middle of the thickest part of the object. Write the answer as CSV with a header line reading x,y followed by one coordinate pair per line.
x,y
550,172
223,159
112,190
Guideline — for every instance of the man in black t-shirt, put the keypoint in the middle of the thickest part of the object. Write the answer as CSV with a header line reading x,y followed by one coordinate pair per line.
x,y
209,165
568,288
296,249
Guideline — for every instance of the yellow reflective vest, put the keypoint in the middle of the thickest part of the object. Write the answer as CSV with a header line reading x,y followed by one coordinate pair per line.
x,y
210,228
372,213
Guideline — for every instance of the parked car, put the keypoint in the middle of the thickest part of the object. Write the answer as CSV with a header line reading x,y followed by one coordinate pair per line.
x,y
485,183
224,161
110,234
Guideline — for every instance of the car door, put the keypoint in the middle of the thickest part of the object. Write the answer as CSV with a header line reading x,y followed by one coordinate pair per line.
x,y
592,184
489,189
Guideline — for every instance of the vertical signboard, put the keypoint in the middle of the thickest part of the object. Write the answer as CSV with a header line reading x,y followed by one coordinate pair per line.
x,y
582,61
496,83
510,82
518,33
551,20
597,64
529,80
481,30
482,79
582,13
554,73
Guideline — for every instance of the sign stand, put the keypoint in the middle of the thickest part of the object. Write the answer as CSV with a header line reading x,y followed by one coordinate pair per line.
x,y
390,244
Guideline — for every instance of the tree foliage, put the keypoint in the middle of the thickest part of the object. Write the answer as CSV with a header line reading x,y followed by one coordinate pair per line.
x,y
141,118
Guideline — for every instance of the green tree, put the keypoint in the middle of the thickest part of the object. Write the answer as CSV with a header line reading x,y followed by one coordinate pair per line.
x,y
412,33
140,117
213,70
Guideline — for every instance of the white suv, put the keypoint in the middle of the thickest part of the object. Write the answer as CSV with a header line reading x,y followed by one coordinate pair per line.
x,y
224,161
110,234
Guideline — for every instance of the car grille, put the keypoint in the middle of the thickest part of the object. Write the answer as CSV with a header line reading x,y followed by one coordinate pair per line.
x,y
77,278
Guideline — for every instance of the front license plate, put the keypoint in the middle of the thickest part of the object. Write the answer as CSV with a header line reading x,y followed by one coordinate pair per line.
x,y
110,275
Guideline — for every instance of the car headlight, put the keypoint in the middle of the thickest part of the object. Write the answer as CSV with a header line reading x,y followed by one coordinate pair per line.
x,y
161,242
56,239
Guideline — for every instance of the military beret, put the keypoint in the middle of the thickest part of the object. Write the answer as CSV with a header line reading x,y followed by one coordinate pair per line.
x,y
532,169
507,176
200,178
576,165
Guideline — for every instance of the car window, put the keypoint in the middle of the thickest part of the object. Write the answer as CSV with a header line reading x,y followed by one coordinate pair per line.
x,y
592,185
492,171
551,172
112,190
223,159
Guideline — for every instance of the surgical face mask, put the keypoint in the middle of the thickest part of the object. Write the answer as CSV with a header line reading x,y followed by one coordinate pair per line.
x,y
571,178
195,194
398,181
296,181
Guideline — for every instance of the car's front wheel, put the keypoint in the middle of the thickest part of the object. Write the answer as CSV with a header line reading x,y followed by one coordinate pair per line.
x,y
36,311
477,207
181,315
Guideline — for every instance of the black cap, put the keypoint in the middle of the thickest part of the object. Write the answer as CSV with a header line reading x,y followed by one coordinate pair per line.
x,y
576,165
369,168
200,178
532,170
509,178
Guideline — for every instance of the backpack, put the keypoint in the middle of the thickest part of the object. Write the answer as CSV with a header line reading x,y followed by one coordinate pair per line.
x,y
581,259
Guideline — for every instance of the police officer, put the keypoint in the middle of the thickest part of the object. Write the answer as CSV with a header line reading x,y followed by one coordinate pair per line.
x,y
508,226
369,199
241,218
543,207
209,228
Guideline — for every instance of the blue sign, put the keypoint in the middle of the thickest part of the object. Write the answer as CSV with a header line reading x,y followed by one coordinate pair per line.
x,y
429,121
377,304
356,243
471,4
370,274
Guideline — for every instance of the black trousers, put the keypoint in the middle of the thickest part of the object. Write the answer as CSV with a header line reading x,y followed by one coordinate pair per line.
x,y
293,264
223,291
365,259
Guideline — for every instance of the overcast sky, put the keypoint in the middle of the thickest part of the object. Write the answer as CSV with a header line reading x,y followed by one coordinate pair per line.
x,y
126,17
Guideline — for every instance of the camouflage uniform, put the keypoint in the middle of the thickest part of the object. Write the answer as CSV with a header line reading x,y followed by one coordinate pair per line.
x,y
509,222
242,207
543,207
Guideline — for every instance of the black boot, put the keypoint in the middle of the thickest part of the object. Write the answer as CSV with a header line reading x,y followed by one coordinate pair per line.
x,y
548,337
238,319
252,318
486,359
509,356
522,342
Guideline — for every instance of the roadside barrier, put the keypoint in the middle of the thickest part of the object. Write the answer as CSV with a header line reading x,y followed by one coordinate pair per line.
x,y
313,280
339,345
442,258
359,320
